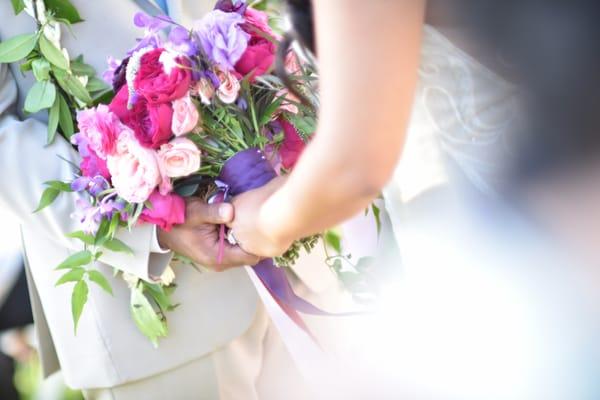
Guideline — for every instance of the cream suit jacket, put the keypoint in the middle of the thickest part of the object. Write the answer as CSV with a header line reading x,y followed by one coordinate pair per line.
x,y
107,350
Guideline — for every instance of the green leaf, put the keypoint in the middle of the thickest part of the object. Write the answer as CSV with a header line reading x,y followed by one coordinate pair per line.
x,y
82,236
74,275
53,116
117,246
96,85
58,185
41,69
26,66
99,279
65,119
158,294
64,9
78,259
269,111
377,215
72,85
40,96
333,240
78,67
146,319
53,54
78,300
102,233
18,6
48,197
17,48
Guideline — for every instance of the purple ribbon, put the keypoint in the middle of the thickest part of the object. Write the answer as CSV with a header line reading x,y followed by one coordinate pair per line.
x,y
247,170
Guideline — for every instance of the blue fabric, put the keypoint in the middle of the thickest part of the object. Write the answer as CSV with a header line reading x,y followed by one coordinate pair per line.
x,y
163,5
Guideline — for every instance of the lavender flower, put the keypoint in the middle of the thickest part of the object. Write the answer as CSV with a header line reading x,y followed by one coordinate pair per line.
x,y
222,38
181,42
88,215
109,74
153,27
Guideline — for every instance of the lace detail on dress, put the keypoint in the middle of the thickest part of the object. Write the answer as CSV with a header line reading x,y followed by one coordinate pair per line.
x,y
462,112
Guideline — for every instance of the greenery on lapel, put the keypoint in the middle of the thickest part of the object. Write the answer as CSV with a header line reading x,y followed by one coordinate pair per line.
x,y
62,84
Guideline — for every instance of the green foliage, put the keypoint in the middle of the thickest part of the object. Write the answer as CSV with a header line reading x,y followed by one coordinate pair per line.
x,y
17,48
79,67
333,240
65,119
117,246
148,321
40,96
82,236
18,6
99,279
78,259
70,84
53,54
63,9
41,69
53,117
73,275
79,299
48,197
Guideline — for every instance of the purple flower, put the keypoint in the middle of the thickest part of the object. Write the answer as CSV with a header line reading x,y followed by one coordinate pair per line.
x,y
242,103
88,215
153,27
80,184
97,185
181,42
109,74
152,24
222,38
232,6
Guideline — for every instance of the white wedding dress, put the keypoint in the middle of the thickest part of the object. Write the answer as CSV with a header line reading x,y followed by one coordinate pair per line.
x,y
462,120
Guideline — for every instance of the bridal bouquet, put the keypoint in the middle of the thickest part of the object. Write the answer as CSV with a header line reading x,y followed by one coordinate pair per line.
x,y
194,112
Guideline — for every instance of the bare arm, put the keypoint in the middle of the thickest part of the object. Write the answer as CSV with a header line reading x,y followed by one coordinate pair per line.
x,y
368,54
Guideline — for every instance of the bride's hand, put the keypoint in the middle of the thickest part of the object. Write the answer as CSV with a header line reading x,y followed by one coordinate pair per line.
x,y
247,226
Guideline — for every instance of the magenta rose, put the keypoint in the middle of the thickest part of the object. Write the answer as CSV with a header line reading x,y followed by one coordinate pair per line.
x,y
167,210
151,123
158,86
257,59
292,146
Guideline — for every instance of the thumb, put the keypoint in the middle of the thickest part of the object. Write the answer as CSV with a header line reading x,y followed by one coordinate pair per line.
x,y
198,212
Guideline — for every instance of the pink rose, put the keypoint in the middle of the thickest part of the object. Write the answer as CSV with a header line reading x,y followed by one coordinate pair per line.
x,y
134,169
150,122
292,64
289,102
258,20
204,89
229,88
292,146
185,116
166,211
179,158
100,128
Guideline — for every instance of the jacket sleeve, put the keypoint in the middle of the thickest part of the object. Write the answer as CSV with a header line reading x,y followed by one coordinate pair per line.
x,y
26,163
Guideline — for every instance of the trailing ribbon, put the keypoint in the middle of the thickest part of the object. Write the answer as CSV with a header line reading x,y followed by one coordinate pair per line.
x,y
247,170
